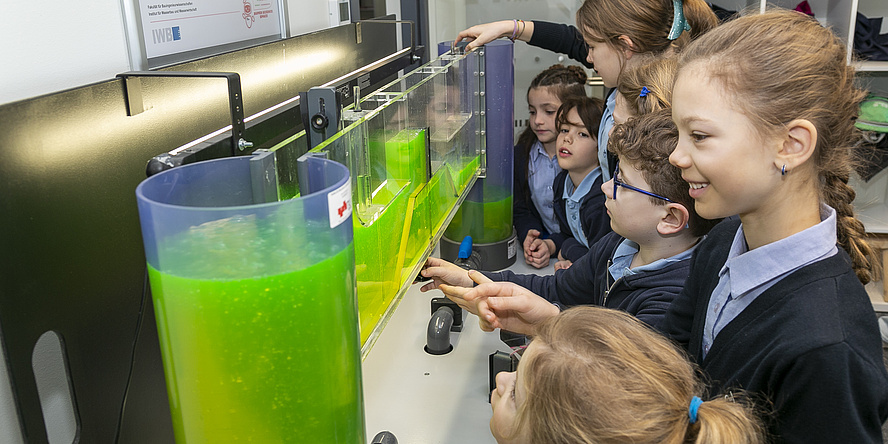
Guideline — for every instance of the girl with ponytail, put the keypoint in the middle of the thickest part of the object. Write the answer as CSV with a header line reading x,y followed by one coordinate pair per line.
x,y
775,303
608,35
595,375
536,165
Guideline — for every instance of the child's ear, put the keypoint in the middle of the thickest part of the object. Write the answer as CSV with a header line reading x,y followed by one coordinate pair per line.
x,y
674,220
628,46
798,145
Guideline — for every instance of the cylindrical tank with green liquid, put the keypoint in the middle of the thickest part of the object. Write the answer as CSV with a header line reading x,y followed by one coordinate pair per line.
x,y
486,213
255,303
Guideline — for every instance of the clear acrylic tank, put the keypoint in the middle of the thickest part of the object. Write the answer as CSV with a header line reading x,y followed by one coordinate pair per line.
x,y
255,303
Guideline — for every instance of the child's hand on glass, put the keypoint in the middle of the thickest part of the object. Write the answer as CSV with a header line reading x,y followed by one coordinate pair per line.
x,y
443,272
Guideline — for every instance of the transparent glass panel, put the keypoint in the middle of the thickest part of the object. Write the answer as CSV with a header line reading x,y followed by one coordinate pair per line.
x,y
413,153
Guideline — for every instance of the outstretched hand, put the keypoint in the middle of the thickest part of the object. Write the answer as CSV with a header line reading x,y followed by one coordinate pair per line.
x,y
503,305
457,293
484,33
443,272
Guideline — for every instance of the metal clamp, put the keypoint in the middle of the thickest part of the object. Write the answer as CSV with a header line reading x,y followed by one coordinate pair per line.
x,y
132,91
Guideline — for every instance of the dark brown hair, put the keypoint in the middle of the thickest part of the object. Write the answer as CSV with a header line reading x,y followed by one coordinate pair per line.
x,y
590,110
562,81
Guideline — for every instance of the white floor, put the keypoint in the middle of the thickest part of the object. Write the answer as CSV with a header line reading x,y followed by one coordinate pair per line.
x,y
426,399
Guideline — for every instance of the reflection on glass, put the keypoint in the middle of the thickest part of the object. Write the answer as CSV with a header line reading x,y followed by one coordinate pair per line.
x,y
413,153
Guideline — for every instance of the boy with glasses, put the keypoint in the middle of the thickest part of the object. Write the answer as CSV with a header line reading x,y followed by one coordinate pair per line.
x,y
639,268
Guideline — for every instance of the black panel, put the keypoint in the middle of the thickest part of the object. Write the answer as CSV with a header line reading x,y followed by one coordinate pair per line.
x,y
72,256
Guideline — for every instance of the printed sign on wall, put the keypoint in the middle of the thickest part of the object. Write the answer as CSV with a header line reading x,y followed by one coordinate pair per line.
x,y
172,27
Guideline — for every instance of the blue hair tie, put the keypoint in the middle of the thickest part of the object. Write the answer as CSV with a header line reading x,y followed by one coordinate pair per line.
x,y
679,23
692,409
644,91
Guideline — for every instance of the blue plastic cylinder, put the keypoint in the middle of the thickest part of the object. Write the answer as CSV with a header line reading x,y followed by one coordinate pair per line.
x,y
255,303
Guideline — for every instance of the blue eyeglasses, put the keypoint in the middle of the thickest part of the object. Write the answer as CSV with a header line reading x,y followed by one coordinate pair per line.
x,y
617,183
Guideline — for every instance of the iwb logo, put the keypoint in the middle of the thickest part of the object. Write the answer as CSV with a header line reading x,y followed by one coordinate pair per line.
x,y
164,35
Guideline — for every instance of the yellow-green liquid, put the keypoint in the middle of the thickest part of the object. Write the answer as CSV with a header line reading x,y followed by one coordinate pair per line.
x,y
387,248
265,359
486,222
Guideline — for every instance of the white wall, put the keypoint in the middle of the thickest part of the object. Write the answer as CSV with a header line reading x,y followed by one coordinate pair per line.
x,y
55,45
446,19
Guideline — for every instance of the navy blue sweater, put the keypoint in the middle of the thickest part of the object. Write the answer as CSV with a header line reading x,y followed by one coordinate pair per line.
x,y
525,216
593,215
645,295
809,344
560,38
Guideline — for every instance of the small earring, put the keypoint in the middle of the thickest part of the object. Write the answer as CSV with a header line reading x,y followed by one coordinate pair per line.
x,y
783,170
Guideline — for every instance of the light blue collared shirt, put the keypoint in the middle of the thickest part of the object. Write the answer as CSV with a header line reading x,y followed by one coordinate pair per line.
x,y
572,200
747,274
626,251
607,122
541,172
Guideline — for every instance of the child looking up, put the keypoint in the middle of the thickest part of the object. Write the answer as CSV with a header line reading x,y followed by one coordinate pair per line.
x,y
593,375
638,268
535,163
608,35
775,303
579,204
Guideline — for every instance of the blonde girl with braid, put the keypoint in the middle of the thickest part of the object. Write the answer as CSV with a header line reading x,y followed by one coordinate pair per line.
x,y
775,303
596,375
536,165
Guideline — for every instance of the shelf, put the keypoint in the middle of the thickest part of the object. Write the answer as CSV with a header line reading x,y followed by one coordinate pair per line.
x,y
876,294
868,66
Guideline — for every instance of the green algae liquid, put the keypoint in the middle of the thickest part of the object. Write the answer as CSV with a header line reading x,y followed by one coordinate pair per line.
x,y
266,359
486,222
377,246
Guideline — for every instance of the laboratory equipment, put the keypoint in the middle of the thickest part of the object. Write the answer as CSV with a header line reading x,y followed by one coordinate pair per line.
x,y
486,214
255,302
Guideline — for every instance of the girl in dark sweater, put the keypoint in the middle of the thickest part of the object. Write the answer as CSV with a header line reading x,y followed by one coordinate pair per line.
x,y
535,163
775,304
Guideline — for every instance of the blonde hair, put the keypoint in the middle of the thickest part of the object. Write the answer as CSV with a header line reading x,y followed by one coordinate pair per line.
x,y
656,74
645,22
780,66
601,376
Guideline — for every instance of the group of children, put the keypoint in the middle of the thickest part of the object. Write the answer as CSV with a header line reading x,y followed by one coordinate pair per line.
x,y
750,121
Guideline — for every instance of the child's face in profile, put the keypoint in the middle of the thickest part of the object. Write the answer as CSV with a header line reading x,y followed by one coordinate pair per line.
x,y
505,401
606,59
577,147
542,106
729,167
632,214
